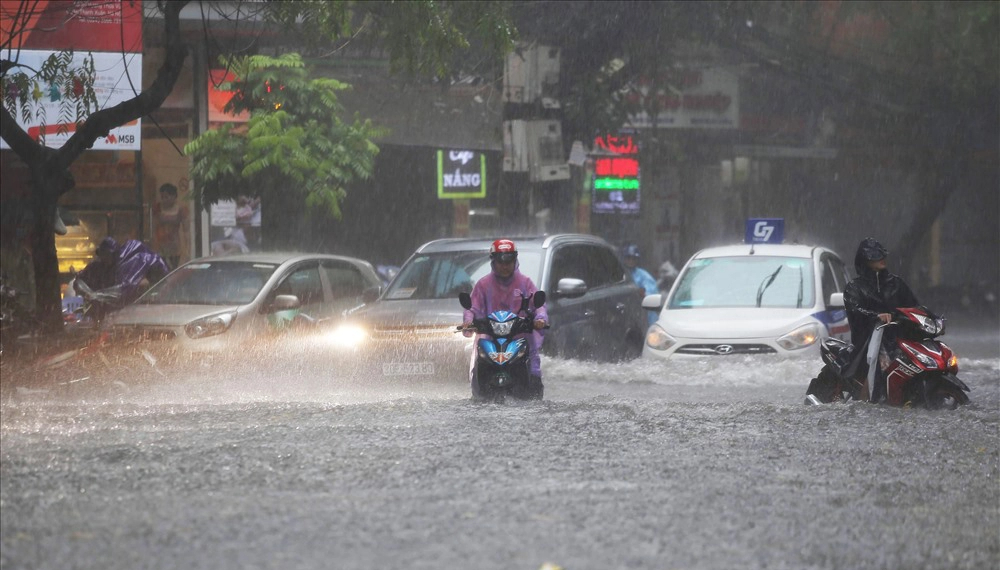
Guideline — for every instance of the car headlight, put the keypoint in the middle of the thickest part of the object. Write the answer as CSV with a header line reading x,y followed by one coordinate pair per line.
x,y
210,326
658,339
804,336
348,336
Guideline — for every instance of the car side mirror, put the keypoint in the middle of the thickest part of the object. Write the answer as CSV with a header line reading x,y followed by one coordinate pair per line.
x,y
571,288
836,301
285,303
652,302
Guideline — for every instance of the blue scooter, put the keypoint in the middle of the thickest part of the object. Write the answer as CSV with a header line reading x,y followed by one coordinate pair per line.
x,y
501,367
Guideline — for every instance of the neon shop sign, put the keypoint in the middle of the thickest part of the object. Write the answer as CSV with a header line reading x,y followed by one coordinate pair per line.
x,y
616,175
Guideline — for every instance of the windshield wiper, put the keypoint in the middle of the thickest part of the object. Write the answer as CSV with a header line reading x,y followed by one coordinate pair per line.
x,y
765,284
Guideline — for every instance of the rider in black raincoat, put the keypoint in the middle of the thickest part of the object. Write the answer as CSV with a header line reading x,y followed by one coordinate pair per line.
x,y
870,299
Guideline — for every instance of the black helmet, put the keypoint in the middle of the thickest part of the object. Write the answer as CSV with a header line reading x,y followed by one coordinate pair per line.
x,y
872,250
631,250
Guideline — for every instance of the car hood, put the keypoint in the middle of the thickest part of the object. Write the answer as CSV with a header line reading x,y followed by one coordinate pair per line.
x,y
732,323
165,315
423,313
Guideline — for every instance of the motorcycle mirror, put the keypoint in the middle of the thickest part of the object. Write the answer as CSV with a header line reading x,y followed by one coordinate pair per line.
x,y
465,299
539,298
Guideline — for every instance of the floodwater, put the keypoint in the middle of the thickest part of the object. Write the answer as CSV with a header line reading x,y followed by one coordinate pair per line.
x,y
709,464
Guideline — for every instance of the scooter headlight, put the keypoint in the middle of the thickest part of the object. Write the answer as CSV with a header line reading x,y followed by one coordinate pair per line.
x,y
210,326
658,339
502,329
804,336
929,325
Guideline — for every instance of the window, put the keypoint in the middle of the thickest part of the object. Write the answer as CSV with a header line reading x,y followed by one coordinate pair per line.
x,y
211,283
345,280
829,280
751,281
305,284
603,267
566,264
840,273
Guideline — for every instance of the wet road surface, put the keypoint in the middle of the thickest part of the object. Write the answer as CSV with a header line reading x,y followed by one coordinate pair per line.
x,y
699,464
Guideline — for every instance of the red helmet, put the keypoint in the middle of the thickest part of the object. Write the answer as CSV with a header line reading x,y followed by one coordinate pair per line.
x,y
503,250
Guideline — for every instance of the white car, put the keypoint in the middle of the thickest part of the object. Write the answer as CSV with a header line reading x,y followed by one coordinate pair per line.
x,y
751,299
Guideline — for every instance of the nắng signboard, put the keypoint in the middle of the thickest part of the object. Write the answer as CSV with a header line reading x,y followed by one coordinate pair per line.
x,y
461,174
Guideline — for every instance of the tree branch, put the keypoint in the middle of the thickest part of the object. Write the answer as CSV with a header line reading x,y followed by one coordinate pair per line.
x,y
150,99
22,144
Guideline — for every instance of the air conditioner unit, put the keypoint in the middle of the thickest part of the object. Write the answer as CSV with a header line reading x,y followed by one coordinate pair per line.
x,y
531,72
547,159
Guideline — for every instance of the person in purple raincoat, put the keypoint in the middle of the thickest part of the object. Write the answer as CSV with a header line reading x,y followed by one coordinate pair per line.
x,y
120,273
502,290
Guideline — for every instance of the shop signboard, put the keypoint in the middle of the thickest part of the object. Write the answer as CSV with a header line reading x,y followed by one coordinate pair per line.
x,y
616,175
686,99
461,174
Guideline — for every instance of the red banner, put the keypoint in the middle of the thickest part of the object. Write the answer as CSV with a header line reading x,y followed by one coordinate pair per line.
x,y
80,25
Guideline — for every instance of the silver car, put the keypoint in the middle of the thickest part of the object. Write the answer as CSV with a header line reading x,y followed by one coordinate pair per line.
x,y
409,332
217,303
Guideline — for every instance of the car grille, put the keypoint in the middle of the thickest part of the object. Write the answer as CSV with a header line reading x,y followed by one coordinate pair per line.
x,y
143,334
725,349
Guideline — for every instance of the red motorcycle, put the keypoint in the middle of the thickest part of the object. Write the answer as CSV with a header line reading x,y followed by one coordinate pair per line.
x,y
917,368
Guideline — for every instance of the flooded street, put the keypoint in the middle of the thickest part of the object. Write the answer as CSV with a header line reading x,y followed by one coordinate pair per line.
x,y
699,464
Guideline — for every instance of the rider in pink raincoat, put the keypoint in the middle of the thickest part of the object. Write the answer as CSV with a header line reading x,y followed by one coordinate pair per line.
x,y
502,290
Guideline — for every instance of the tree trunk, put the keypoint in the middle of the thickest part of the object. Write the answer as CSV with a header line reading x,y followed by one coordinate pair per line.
x,y
941,169
50,175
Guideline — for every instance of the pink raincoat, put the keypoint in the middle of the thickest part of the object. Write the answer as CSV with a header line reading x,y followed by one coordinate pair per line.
x,y
493,293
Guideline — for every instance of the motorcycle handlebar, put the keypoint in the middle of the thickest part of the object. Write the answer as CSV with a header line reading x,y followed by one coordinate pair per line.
x,y
483,326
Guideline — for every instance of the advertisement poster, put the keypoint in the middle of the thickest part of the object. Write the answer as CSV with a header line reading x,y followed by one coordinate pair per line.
x,y
235,226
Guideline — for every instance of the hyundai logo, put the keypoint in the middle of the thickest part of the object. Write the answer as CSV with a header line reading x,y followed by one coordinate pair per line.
x,y
724,349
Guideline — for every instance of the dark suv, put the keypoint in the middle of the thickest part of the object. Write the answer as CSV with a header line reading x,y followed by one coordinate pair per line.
x,y
594,307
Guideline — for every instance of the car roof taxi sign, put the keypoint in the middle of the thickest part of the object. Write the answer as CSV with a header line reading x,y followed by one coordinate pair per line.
x,y
765,230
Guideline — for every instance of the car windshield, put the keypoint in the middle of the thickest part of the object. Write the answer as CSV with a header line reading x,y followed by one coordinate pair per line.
x,y
210,283
745,281
445,275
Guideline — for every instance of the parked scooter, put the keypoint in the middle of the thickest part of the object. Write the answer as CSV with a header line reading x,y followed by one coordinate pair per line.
x,y
918,369
501,362
13,318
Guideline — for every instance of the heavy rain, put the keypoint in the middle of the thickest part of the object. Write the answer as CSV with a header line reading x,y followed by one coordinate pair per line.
x,y
295,392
